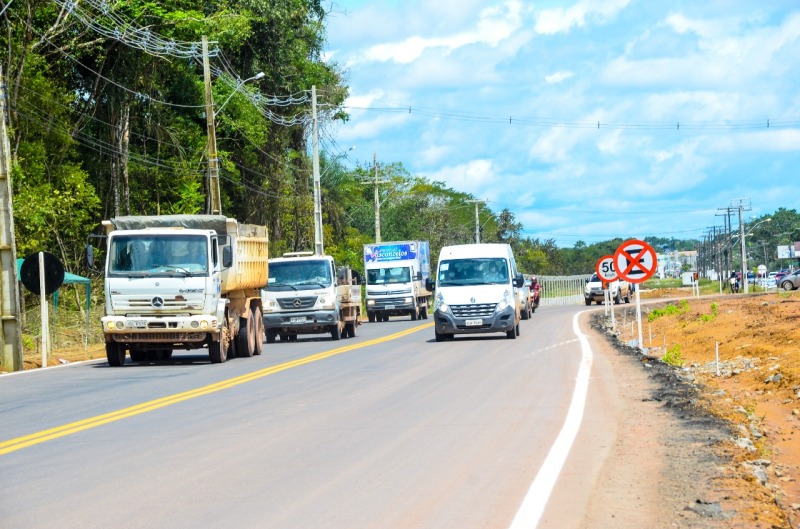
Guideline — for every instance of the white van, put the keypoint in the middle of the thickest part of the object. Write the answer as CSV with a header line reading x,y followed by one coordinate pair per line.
x,y
476,291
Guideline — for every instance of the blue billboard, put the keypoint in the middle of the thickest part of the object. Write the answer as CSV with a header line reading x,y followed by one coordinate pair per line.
x,y
378,253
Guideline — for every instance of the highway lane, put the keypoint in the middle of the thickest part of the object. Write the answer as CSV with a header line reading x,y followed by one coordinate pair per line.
x,y
403,432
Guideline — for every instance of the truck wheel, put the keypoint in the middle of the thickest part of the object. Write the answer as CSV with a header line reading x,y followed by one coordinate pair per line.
x,y
271,334
336,332
371,317
350,330
618,298
216,352
512,334
137,355
415,314
423,312
245,338
115,354
588,301
259,320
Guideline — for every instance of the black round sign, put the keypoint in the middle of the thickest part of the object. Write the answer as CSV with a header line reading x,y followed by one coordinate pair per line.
x,y
53,273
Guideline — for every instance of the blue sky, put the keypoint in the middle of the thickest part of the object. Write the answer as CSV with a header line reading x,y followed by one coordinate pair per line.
x,y
506,97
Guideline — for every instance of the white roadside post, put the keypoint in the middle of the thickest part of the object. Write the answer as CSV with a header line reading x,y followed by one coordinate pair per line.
x,y
607,273
44,312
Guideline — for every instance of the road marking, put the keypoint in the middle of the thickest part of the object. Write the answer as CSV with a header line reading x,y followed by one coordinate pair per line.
x,y
19,443
532,508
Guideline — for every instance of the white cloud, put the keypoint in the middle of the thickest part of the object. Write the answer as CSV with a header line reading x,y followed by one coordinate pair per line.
x,y
558,77
494,25
560,20
475,176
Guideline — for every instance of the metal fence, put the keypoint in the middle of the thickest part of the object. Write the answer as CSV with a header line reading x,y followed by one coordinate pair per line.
x,y
562,290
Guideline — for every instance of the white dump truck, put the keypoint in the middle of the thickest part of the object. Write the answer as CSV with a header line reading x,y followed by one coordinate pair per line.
x,y
307,294
182,282
396,273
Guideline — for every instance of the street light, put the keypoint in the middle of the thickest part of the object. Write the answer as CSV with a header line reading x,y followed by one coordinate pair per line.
x,y
239,84
214,202
744,255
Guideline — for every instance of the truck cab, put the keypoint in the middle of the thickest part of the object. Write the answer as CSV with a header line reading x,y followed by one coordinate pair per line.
x,y
306,294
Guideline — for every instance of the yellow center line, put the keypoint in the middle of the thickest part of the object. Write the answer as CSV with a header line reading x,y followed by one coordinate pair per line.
x,y
25,441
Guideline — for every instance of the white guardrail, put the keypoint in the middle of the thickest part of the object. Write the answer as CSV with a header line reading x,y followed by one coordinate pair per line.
x,y
562,290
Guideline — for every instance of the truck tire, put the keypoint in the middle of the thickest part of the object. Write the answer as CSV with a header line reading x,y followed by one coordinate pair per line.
x,y
115,354
336,332
216,353
371,317
137,355
618,298
415,314
350,330
271,335
245,338
423,312
512,334
259,320
588,301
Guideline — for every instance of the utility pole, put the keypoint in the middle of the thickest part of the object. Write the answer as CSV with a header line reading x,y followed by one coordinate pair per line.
x,y
318,246
10,336
377,197
213,201
477,220
741,208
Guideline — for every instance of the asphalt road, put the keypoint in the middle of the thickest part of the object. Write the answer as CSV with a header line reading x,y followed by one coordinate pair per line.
x,y
387,430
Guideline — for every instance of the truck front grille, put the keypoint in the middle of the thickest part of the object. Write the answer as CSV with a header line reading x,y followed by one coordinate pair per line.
x,y
297,303
480,310
167,337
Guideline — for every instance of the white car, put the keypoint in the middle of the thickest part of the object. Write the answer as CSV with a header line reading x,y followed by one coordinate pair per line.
x,y
593,291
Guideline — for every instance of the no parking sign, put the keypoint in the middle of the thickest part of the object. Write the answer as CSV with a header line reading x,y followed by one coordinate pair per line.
x,y
635,261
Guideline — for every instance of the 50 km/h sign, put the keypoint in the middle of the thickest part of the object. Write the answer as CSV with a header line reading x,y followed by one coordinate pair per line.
x,y
605,268
635,261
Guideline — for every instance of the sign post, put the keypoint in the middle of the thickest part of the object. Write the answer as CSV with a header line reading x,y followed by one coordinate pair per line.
x,y
42,273
636,262
607,272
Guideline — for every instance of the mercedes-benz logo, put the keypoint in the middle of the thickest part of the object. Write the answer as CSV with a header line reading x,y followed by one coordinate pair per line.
x,y
157,302
472,300
297,303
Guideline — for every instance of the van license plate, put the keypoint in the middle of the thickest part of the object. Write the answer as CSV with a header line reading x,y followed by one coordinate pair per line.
x,y
473,323
301,319
389,307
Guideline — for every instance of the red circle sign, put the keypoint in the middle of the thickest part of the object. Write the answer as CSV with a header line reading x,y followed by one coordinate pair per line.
x,y
635,261
605,268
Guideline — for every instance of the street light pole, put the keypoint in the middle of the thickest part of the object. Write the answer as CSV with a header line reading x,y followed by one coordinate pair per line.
x,y
742,236
213,199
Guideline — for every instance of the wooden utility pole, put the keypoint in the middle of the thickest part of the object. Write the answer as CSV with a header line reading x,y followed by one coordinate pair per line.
x,y
213,201
10,335
377,197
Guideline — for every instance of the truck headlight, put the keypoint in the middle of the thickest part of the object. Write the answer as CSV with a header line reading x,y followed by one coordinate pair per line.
x,y
408,300
370,302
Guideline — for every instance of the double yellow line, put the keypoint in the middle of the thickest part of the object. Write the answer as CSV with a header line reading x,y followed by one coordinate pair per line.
x,y
12,445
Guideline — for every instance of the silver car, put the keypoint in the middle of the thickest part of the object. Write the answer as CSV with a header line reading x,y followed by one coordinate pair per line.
x,y
790,281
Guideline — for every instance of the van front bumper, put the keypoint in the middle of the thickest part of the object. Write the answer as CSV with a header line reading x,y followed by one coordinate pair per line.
x,y
448,323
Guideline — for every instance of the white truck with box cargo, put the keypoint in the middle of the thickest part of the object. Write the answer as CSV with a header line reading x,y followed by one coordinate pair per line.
x,y
306,294
396,274
182,282
476,291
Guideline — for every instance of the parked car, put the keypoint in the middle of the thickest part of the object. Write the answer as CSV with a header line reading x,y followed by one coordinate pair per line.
x,y
790,281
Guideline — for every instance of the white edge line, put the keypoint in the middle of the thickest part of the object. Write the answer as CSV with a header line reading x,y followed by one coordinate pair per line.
x,y
532,508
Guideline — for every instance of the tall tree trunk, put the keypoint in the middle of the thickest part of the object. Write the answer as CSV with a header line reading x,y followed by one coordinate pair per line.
x,y
124,141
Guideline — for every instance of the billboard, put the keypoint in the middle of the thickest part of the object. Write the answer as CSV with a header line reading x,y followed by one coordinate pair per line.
x,y
377,253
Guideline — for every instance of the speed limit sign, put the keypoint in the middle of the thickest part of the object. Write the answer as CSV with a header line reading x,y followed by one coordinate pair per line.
x,y
605,268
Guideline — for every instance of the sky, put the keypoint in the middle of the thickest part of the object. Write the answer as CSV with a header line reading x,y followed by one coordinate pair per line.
x,y
588,119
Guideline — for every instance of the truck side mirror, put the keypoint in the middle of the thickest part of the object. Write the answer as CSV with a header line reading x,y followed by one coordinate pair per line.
x,y
418,276
429,284
519,281
227,257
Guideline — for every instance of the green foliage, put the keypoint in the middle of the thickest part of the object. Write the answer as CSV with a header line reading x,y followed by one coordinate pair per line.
x,y
712,315
669,310
673,356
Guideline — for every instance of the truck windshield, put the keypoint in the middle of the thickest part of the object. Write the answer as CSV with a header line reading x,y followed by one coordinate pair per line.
x,y
477,271
147,254
299,275
382,276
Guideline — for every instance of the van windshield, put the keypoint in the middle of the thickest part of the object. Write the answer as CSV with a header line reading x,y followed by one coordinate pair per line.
x,y
299,275
476,271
